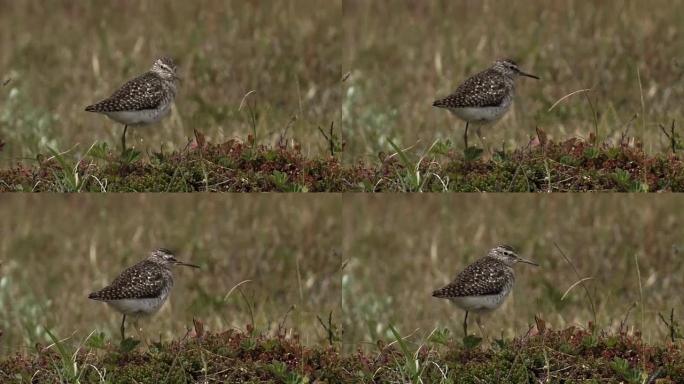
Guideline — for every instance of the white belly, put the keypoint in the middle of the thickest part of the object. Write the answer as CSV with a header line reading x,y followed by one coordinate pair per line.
x,y
480,115
479,303
145,116
138,307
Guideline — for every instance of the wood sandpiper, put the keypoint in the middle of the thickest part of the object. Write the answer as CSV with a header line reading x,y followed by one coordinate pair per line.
x,y
145,99
485,97
483,285
143,288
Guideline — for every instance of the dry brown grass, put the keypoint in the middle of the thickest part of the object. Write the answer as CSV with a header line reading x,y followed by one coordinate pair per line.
x,y
54,250
403,247
64,55
402,55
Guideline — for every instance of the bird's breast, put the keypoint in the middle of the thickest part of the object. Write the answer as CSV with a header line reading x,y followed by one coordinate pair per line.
x,y
483,303
139,307
481,115
142,117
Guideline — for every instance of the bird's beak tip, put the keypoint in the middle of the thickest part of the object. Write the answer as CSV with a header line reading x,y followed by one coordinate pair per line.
x,y
530,262
188,265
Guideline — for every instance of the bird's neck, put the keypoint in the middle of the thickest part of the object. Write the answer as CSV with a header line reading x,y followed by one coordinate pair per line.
x,y
170,86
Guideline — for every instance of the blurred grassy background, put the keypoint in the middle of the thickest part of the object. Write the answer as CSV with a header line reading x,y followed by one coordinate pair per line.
x,y
402,248
60,56
54,250
400,64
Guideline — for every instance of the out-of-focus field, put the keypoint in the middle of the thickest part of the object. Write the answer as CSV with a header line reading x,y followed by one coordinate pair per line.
x,y
58,57
402,248
55,250
403,55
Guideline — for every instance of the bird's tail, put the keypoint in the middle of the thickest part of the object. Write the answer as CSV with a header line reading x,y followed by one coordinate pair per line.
x,y
439,103
439,293
94,296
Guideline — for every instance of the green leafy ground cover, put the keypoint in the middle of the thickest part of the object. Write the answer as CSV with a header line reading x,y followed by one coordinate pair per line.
x,y
572,355
236,166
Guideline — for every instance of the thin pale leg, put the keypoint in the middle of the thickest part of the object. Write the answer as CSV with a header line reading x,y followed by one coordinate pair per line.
x,y
465,325
141,333
123,139
136,323
465,140
478,320
478,130
123,328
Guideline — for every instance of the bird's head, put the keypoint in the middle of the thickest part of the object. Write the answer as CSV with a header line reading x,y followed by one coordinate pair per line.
x,y
165,68
167,259
507,255
508,67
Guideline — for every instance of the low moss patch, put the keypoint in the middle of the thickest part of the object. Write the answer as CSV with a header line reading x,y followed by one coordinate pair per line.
x,y
235,166
232,166
230,357
569,166
571,355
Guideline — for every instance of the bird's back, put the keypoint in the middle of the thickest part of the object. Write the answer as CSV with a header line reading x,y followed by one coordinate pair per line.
x,y
485,89
142,281
141,93
486,276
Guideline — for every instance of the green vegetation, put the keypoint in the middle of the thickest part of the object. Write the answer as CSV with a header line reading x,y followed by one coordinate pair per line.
x,y
235,166
271,71
260,264
299,96
290,293
229,357
572,355
618,59
542,166
615,263
231,166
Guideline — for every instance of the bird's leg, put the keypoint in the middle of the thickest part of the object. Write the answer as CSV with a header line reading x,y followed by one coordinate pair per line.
x,y
123,139
465,325
123,328
478,320
465,140
141,335
138,329
478,130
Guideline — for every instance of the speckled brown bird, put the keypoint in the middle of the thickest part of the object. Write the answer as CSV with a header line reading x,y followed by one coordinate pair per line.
x,y
143,288
145,99
485,97
483,285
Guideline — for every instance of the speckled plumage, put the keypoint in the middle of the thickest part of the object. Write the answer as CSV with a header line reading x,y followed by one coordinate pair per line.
x,y
486,276
143,92
484,97
483,285
489,88
150,91
144,100
144,280
143,288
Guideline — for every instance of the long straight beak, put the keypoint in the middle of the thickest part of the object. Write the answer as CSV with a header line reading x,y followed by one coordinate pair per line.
x,y
187,264
521,260
529,75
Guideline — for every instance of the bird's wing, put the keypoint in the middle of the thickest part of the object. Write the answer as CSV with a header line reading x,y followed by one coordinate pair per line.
x,y
485,89
133,283
143,92
478,279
